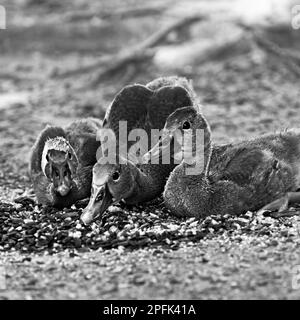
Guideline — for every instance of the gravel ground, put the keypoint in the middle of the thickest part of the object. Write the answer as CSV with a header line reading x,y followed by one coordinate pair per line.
x,y
141,251
235,267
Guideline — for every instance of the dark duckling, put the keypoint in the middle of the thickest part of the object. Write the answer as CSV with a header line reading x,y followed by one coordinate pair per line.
x,y
61,162
143,107
261,172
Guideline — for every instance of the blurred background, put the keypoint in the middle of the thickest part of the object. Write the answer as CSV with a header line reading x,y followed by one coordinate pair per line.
x,y
63,60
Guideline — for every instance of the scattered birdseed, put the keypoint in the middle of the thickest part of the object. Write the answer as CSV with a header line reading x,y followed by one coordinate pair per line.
x,y
26,227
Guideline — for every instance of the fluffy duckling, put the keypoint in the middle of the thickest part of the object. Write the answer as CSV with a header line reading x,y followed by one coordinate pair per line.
x,y
61,162
142,107
262,172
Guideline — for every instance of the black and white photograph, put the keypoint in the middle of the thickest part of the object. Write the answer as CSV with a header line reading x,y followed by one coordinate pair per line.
x,y
149,150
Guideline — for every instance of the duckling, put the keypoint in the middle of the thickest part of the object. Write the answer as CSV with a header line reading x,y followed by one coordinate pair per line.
x,y
234,178
143,107
61,162
147,107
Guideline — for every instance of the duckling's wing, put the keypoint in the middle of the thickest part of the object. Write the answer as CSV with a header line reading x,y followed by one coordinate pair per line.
x,y
41,188
164,102
82,135
236,164
37,150
160,82
144,108
83,126
171,93
257,170
129,105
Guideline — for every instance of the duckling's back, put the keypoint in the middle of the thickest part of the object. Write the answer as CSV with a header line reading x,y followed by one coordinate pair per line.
x,y
242,176
264,168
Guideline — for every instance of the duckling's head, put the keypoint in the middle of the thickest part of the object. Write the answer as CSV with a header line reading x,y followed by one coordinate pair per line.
x,y
59,164
111,183
181,126
185,119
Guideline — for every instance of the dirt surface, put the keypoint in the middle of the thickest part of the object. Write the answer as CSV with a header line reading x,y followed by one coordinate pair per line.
x,y
243,95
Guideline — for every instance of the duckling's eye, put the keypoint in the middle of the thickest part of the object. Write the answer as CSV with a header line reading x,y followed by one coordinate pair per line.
x,y
70,155
186,125
116,175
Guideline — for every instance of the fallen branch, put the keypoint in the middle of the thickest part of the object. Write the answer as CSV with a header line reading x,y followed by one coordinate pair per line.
x,y
122,60
139,52
142,51
158,36
15,77
123,13
291,60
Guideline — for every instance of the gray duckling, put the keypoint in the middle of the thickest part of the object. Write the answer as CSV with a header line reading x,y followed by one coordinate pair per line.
x,y
143,107
61,162
263,172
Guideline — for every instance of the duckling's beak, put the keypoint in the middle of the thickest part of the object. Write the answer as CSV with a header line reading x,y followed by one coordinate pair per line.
x,y
100,200
63,190
63,181
163,144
